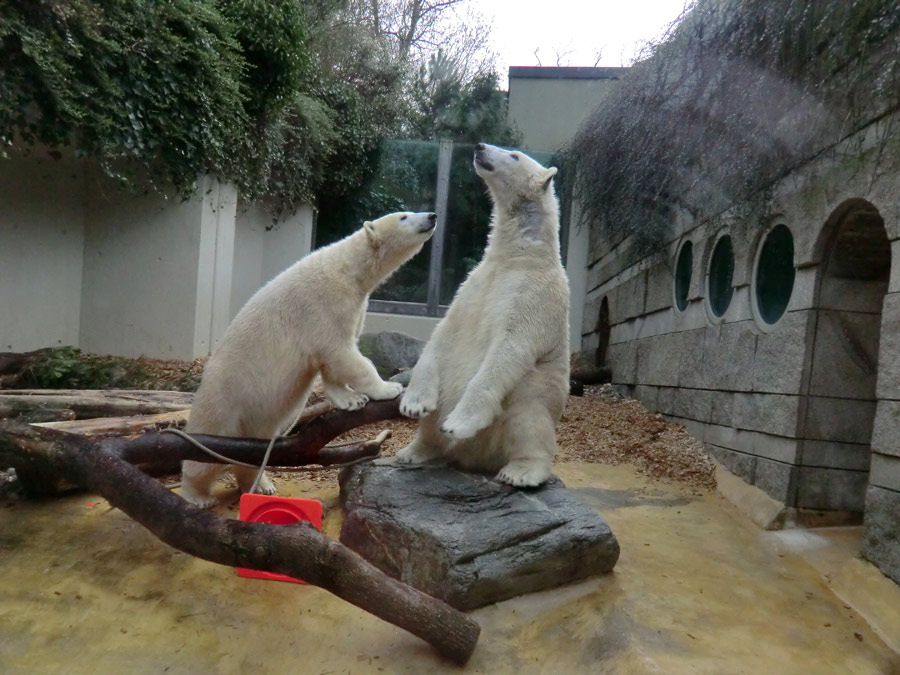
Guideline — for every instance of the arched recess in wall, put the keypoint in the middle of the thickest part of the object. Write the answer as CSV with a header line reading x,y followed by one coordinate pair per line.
x,y
842,359
603,332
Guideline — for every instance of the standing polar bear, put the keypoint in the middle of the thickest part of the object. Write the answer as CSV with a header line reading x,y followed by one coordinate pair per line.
x,y
307,320
492,381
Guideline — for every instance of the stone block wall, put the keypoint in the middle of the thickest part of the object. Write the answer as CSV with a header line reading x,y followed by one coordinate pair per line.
x,y
806,409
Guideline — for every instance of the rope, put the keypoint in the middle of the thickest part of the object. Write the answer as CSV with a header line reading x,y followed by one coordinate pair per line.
x,y
384,435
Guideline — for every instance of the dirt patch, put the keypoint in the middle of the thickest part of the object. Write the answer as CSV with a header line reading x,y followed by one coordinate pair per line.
x,y
599,427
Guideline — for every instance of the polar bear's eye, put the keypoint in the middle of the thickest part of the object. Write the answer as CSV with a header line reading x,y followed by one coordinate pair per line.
x,y
402,217
515,156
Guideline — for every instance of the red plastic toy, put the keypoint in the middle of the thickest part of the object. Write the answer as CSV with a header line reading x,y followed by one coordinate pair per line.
x,y
277,511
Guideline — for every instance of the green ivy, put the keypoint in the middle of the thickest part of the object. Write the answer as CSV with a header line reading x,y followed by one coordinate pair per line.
x,y
158,83
173,89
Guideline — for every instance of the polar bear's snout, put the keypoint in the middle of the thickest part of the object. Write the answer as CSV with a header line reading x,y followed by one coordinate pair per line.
x,y
429,224
481,157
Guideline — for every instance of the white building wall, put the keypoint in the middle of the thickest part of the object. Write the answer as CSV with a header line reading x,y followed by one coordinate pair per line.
x,y
264,247
142,270
41,240
214,267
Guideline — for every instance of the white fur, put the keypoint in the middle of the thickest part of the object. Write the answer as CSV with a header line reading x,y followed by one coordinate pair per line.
x,y
307,320
492,381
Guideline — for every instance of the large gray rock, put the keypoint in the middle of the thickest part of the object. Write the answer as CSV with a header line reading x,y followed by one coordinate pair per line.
x,y
391,352
467,539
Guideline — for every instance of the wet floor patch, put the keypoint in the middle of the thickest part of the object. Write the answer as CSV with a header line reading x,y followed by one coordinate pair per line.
x,y
601,499
697,589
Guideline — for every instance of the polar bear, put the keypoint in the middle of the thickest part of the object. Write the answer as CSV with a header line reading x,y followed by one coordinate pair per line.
x,y
492,381
305,321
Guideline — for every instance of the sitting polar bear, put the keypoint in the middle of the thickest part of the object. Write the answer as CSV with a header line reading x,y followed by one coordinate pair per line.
x,y
492,381
307,320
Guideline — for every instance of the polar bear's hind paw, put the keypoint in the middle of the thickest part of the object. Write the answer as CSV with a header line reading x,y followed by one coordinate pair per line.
x,y
524,473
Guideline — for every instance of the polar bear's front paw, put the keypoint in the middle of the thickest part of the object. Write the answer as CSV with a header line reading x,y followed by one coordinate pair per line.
x,y
347,400
524,473
461,426
385,391
415,404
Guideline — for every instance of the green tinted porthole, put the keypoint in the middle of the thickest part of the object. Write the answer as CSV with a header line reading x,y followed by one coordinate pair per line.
x,y
683,267
720,276
774,281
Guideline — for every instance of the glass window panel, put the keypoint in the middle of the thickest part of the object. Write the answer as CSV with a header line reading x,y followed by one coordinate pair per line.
x,y
683,275
721,272
468,218
775,274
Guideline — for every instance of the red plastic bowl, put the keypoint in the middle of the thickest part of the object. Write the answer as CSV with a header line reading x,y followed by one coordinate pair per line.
x,y
277,511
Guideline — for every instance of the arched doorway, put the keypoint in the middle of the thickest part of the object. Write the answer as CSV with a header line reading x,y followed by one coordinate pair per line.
x,y
842,358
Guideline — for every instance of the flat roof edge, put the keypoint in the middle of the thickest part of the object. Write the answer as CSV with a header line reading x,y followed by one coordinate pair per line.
x,y
565,73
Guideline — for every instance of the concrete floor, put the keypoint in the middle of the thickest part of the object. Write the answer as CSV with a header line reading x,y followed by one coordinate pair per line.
x,y
698,589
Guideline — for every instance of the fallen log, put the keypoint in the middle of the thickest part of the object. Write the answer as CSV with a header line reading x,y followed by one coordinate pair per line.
x,y
119,426
88,403
105,465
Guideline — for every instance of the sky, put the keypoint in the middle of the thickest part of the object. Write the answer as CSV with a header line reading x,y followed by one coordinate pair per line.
x,y
575,29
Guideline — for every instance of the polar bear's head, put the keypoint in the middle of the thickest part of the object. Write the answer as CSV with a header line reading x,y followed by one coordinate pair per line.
x,y
513,176
400,231
395,238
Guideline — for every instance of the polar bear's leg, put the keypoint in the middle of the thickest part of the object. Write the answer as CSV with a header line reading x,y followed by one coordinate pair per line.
x,y
530,443
504,365
350,368
428,444
197,479
421,396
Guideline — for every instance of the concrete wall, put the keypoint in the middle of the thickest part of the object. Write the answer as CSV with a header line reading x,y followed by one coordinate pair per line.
x,y
41,243
157,270
265,246
793,407
85,263
547,105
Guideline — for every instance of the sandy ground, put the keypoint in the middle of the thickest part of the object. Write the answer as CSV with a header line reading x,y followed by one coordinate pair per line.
x,y
697,589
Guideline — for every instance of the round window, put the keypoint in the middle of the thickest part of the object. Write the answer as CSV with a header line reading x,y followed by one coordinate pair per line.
x,y
774,280
721,272
683,267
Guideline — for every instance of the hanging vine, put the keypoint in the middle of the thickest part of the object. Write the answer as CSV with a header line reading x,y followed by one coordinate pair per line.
x,y
736,95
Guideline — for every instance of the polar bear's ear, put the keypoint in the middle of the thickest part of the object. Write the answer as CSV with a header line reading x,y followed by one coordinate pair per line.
x,y
548,176
369,227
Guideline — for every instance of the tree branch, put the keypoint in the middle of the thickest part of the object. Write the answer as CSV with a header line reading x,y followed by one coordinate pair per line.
x,y
299,551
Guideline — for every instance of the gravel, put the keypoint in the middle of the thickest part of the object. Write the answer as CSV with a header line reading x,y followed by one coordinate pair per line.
x,y
600,427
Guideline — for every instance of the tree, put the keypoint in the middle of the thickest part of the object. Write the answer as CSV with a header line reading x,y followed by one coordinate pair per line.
x,y
449,106
416,29
242,89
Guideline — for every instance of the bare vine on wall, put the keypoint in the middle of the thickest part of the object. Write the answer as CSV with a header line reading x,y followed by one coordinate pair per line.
x,y
736,95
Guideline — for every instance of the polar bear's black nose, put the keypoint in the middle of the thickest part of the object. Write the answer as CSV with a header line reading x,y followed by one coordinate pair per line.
x,y
432,217
480,147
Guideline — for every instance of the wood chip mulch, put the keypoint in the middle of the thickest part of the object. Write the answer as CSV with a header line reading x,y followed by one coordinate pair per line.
x,y
600,427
